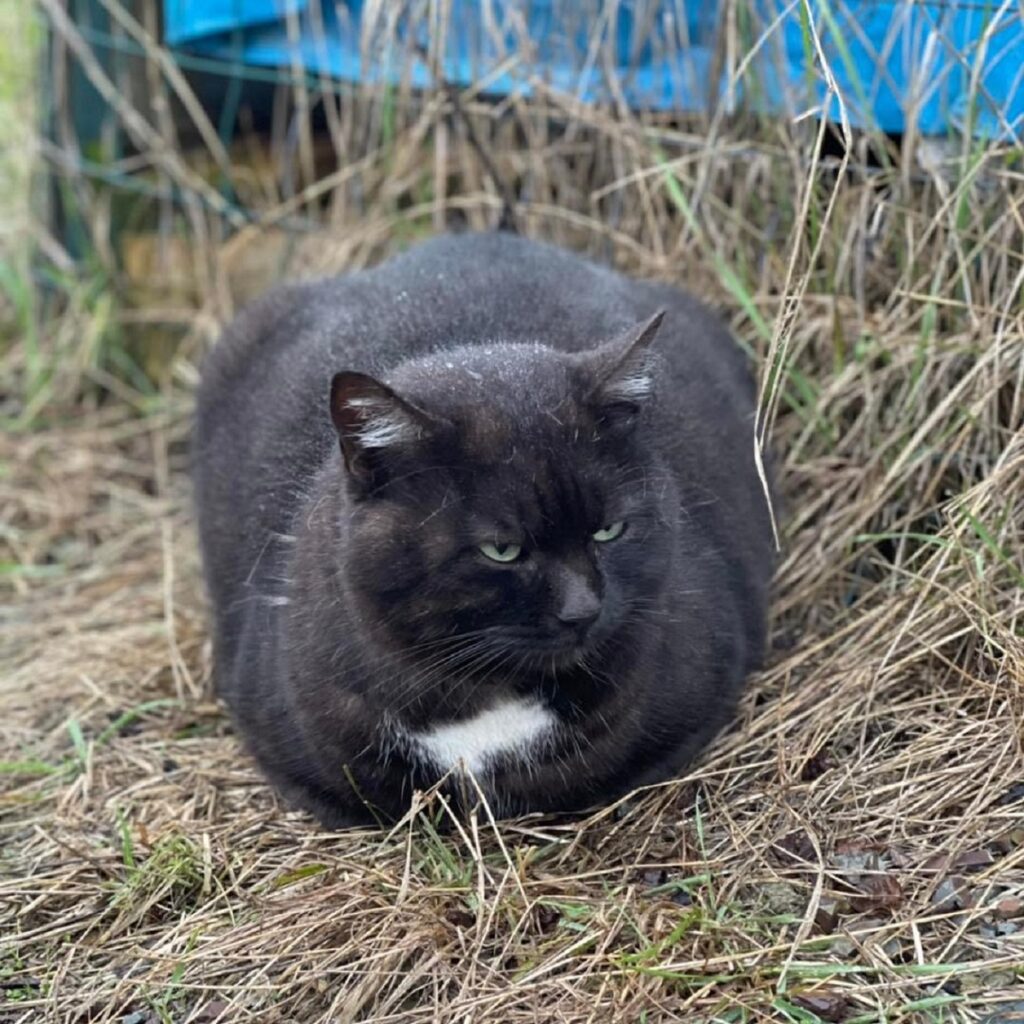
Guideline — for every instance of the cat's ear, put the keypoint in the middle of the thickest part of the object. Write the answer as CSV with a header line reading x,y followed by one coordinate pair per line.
x,y
622,373
372,421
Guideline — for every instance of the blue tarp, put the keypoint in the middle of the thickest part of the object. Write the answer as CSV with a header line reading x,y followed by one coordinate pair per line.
x,y
953,65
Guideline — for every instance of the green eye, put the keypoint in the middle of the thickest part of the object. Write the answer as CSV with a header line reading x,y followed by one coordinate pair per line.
x,y
613,531
501,552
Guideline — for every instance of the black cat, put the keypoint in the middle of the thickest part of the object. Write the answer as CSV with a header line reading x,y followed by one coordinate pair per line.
x,y
521,534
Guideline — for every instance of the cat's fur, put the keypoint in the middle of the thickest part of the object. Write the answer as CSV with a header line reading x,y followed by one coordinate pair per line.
x,y
515,394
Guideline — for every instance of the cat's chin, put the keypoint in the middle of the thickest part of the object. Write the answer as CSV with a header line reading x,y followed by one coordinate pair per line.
x,y
565,658
552,657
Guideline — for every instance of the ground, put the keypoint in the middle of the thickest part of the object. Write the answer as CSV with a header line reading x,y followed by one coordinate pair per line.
x,y
851,849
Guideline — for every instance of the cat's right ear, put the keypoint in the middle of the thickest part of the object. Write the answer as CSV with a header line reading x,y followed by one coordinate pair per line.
x,y
373,422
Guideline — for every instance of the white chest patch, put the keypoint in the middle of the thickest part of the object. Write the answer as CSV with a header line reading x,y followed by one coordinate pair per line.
x,y
512,727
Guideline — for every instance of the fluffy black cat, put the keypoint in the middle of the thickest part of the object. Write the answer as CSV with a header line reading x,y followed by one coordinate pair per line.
x,y
487,508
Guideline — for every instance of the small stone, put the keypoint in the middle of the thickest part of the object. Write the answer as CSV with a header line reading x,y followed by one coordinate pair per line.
x,y
1007,1013
842,946
827,1005
1000,981
547,917
950,893
897,857
212,1013
654,877
459,918
817,765
1012,906
855,862
973,859
796,846
877,892
1013,795
969,860
827,916
780,898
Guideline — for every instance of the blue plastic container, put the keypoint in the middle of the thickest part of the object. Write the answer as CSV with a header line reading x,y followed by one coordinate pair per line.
x,y
892,62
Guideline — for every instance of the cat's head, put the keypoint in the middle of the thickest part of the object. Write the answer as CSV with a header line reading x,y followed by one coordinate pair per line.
x,y
508,507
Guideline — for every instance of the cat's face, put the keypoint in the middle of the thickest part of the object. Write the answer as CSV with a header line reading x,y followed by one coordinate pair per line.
x,y
509,512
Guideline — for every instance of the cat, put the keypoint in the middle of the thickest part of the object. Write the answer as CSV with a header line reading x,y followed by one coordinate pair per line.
x,y
486,512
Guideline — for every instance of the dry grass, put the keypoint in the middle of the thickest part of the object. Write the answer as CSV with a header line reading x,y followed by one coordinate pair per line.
x,y
852,850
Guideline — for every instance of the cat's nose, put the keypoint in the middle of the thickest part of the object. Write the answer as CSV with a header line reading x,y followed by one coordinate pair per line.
x,y
580,604
579,619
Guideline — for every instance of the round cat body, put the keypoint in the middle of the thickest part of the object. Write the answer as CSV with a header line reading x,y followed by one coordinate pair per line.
x,y
486,510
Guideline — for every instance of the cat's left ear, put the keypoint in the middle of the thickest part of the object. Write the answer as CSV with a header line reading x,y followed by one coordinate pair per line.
x,y
623,371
